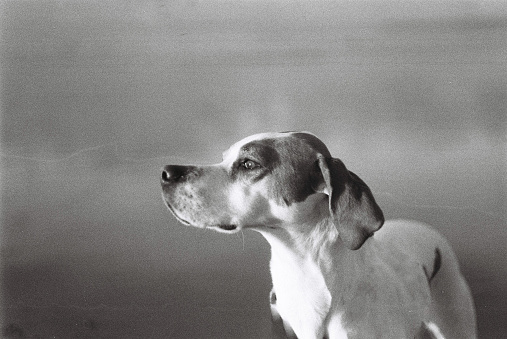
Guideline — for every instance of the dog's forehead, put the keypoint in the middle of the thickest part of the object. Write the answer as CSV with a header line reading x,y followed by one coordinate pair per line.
x,y
305,137
232,152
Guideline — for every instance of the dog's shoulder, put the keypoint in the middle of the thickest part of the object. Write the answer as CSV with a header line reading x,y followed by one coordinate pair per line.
x,y
416,242
410,236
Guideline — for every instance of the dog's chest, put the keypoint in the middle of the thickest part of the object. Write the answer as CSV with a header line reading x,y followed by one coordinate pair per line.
x,y
370,299
302,297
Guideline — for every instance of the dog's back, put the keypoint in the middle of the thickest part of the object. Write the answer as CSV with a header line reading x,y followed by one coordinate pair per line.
x,y
452,308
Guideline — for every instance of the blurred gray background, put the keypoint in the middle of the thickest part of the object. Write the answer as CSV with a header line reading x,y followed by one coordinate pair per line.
x,y
97,95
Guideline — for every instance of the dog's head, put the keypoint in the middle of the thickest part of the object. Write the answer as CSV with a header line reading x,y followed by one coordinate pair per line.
x,y
273,180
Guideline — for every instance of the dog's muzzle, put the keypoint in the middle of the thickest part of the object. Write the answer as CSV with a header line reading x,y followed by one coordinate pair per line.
x,y
189,204
172,174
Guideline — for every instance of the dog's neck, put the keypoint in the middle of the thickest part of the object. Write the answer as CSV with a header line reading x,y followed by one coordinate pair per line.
x,y
311,260
311,236
305,240
318,243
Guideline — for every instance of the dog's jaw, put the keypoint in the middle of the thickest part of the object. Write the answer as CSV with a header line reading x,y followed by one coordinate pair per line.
x,y
223,228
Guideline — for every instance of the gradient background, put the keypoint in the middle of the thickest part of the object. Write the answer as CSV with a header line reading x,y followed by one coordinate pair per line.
x,y
97,95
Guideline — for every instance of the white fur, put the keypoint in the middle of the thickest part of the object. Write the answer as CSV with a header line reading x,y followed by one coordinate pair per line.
x,y
435,330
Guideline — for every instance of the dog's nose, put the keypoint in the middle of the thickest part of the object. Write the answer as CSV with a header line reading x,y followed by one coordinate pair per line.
x,y
172,173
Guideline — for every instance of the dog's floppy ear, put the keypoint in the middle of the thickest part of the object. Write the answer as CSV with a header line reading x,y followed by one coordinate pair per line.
x,y
353,209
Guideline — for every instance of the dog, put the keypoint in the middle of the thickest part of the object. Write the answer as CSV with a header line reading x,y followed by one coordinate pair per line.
x,y
338,270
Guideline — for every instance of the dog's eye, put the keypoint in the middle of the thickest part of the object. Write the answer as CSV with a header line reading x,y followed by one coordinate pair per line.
x,y
249,164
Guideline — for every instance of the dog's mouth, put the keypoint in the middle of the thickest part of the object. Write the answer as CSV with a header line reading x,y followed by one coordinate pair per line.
x,y
227,227
219,227
180,219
